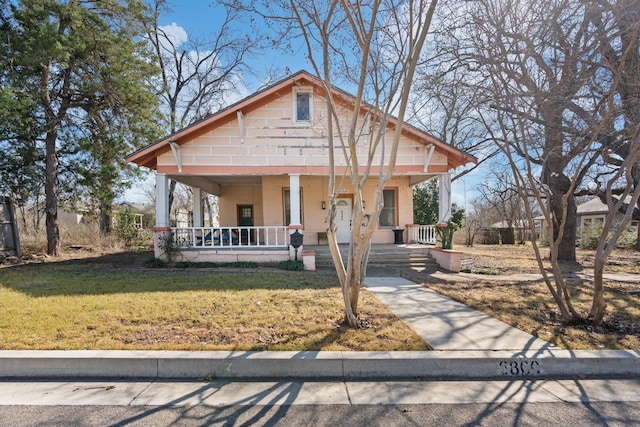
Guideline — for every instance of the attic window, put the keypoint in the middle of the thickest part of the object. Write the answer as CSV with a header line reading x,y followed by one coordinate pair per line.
x,y
302,105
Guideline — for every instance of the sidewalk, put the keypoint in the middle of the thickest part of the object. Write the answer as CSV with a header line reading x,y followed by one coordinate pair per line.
x,y
446,324
467,344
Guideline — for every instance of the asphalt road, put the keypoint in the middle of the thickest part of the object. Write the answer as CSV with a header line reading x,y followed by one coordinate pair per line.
x,y
604,402
462,414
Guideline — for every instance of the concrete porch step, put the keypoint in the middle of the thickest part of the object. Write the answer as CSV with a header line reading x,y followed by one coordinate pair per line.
x,y
384,256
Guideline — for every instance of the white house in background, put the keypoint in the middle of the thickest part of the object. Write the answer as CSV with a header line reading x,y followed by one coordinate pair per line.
x,y
594,212
267,159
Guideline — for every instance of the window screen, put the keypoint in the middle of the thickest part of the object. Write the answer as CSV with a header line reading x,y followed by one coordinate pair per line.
x,y
303,106
388,213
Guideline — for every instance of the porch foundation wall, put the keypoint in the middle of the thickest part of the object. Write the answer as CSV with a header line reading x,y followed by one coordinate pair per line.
x,y
212,255
448,259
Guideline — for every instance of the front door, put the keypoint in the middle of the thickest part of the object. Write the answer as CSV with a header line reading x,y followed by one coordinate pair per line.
x,y
343,220
245,219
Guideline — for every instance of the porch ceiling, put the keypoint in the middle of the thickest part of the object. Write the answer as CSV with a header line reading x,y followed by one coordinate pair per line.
x,y
211,184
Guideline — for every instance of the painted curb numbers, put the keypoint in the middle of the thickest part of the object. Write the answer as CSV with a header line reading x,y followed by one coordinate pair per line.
x,y
520,367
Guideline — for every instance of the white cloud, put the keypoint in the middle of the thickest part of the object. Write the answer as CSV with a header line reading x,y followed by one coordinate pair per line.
x,y
175,33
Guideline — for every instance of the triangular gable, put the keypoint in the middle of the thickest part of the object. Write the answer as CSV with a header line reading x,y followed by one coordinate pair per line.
x,y
148,155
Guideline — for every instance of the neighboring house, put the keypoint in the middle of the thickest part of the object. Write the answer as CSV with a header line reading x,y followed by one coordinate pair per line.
x,y
594,212
591,214
266,158
502,232
70,217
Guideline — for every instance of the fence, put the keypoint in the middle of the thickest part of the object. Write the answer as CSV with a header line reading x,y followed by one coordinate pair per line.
x,y
9,238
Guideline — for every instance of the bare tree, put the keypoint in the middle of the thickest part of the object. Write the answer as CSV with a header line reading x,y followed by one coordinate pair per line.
x,y
197,76
541,63
446,102
476,220
374,46
500,193
561,80
618,26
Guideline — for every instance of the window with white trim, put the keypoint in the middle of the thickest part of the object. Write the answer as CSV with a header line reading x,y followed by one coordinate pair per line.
x,y
302,105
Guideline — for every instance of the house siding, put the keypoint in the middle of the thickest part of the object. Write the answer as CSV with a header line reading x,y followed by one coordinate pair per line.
x,y
270,137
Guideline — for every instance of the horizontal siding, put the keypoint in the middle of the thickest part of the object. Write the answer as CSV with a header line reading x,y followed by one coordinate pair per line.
x,y
270,138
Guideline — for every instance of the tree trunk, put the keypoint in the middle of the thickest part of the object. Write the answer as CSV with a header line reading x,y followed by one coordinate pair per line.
x,y
353,288
561,188
567,245
598,305
105,220
51,195
635,173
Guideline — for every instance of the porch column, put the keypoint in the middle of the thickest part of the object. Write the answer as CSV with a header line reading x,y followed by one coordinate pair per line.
x,y
162,200
294,191
444,197
197,207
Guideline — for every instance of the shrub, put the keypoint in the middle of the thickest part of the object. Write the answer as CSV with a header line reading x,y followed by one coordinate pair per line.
x,y
241,264
291,265
445,230
125,227
590,235
155,263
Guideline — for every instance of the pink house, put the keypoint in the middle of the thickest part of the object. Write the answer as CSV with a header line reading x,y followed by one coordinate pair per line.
x,y
266,158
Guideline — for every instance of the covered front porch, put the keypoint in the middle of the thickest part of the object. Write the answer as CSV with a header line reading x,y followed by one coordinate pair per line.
x,y
258,214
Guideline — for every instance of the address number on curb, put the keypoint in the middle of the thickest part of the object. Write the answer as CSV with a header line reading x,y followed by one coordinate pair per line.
x,y
519,368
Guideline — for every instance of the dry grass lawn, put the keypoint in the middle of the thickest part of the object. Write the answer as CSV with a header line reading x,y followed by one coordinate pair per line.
x,y
113,302
506,290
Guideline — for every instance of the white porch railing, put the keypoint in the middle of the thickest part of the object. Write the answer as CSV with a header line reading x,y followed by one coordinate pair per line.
x,y
422,234
231,237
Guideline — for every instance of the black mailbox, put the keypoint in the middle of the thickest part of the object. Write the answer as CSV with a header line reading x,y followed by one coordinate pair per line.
x,y
295,239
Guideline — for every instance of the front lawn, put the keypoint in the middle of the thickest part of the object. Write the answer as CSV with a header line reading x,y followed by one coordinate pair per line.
x,y
512,295
90,304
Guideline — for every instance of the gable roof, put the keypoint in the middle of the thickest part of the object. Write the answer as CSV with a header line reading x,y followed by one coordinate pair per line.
x,y
148,155
595,206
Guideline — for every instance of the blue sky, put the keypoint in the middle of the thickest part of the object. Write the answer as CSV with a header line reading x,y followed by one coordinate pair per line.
x,y
200,19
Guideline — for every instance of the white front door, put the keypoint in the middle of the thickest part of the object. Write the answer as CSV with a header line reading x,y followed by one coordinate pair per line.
x,y
343,220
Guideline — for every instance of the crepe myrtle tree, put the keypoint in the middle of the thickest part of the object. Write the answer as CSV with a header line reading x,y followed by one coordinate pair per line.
x,y
373,46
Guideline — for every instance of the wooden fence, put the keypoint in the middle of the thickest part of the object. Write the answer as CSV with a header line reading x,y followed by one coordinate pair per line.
x,y
9,238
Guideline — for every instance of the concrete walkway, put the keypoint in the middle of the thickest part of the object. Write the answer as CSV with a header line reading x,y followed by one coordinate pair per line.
x,y
446,324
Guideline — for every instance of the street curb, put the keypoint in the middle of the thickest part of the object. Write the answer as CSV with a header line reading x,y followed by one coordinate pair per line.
x,y
323,365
